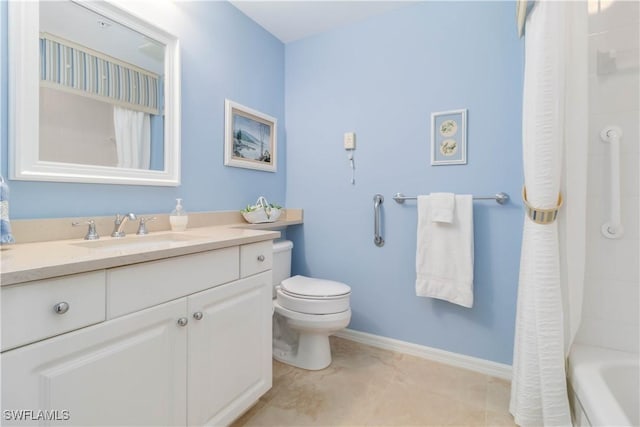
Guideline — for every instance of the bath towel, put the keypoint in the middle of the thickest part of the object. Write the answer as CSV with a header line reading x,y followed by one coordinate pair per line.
x,y
444,255
442,205
5,226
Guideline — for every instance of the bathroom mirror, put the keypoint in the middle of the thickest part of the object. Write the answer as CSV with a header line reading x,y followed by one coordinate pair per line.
x,y
94,95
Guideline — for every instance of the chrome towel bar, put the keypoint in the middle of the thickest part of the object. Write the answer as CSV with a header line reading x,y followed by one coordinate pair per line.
x,y
500,198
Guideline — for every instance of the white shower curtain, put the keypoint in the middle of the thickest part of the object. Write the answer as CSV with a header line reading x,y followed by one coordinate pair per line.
x,y
545,322
133,138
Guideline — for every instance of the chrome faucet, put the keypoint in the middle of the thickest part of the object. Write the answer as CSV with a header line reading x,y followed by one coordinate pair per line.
x,y
119,223
142,228
92,234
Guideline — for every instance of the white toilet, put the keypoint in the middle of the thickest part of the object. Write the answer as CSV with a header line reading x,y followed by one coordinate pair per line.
x,y
306,312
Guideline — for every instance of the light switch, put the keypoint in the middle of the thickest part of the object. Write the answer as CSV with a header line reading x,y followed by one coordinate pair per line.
x,y
350,141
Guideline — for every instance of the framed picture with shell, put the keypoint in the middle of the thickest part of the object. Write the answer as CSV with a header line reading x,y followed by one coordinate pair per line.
x,y
449,138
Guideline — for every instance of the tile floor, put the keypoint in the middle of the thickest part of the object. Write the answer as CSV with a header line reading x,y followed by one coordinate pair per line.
x,y
369,386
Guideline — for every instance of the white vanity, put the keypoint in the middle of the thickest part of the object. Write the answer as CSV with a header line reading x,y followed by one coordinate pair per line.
x,y
173,334
165,329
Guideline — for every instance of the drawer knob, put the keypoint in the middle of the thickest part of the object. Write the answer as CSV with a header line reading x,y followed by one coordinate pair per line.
x,y
198,315
183,321
260,258
61,307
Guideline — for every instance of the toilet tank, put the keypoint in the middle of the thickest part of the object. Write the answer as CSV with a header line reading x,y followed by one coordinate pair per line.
x,y
281,261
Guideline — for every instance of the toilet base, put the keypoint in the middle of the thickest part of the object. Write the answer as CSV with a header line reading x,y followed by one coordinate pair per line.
x,y
302,340
313,352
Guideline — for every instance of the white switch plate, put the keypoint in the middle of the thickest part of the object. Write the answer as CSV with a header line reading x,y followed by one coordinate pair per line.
x,y
350,141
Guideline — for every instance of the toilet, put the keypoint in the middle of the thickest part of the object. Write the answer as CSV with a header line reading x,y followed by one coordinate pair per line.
x,y
306,312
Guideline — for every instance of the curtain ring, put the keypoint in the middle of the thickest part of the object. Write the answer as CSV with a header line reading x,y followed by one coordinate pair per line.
x,y
541,216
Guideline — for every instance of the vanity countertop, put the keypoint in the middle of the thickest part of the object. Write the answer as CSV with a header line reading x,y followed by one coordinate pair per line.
x,y
40,260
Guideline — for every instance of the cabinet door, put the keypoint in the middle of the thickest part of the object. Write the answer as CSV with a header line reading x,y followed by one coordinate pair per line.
x,y
229,349
129,371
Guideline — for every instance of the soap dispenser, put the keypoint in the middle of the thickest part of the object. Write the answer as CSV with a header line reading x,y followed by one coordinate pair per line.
x,y
178,217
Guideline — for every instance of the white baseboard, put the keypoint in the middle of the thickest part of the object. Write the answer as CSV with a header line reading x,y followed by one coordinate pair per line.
x,y
475,364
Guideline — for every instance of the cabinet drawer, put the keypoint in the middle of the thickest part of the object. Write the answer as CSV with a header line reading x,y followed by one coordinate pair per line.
x,y
256,258
28,310
139,286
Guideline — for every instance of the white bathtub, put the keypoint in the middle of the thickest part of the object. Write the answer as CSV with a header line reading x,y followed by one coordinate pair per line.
x,y
606,386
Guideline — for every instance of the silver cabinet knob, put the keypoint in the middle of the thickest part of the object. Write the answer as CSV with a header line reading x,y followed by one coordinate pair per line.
x,y
61,307
260,258
183,321
198,315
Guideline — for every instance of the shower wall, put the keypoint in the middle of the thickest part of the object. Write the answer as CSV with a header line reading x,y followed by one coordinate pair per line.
x,y
610,314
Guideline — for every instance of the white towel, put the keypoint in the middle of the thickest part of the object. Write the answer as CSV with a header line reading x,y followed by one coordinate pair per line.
x,y
442,205
444,255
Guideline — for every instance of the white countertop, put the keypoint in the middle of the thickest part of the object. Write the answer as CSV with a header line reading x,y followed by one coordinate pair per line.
x,y
40,260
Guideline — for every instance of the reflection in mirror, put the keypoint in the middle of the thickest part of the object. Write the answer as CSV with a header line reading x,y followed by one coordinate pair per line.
x,y
99,105
95,95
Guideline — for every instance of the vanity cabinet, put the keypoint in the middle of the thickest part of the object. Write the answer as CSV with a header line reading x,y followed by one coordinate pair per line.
x,y
201,358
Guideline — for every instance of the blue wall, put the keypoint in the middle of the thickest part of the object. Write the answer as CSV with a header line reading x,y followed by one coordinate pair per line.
x,y
382,78
224,55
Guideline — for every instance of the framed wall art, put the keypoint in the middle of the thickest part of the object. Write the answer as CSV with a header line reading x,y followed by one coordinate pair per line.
x,y
449,138
250,138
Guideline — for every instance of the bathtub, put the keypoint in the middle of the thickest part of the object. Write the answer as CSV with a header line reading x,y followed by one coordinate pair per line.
x,y
605,386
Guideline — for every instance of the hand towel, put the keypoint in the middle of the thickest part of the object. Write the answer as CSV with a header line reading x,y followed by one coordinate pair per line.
x,y
442,205
5,226
444,255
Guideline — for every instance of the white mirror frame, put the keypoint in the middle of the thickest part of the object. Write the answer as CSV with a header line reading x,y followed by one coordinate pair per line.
x,y
24,86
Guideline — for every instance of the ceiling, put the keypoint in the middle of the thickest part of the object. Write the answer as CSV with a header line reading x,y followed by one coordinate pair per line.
x,y
296,19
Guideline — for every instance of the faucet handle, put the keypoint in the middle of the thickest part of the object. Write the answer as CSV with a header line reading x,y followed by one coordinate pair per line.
x,y
142,228
92,234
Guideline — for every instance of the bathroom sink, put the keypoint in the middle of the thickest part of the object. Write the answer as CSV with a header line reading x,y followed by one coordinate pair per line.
x,y
138,243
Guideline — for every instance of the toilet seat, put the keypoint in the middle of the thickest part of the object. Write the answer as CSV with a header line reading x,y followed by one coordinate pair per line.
x,y
307,287
332,320
312,305
313,296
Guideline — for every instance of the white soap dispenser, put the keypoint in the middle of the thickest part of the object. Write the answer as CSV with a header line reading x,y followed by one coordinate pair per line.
x,y
178,217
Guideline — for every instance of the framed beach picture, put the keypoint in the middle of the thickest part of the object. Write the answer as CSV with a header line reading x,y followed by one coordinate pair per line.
x,y
449,138
249,138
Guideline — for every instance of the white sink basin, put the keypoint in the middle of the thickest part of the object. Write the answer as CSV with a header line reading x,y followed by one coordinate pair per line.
x,y
138,243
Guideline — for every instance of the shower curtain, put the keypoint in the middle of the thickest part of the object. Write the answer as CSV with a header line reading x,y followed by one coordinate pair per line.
x,y
551,268
133,138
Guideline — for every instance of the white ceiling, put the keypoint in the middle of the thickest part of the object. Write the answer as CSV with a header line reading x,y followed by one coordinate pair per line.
x,y
291,20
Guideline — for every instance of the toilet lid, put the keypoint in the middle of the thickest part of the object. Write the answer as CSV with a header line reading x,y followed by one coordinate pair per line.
x,y
315,288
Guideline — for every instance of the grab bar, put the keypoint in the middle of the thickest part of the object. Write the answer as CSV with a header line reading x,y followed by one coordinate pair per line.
x,y
613,228
377,234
